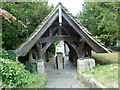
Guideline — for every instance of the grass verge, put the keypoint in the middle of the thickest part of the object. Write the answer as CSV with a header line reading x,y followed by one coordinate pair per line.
x,y
105,74
40,82
106,70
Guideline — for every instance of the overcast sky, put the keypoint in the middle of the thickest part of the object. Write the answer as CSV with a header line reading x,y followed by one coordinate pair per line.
x,y
74,6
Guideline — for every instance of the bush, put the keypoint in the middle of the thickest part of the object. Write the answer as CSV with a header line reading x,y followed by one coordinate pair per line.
x,y
4,53
14,73
115,48
12,54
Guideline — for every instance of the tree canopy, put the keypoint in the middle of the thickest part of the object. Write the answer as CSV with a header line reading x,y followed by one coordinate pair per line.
x,y
30,13
101,19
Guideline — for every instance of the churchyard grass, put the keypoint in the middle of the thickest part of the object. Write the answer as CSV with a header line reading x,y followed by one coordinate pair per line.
x,y
106,69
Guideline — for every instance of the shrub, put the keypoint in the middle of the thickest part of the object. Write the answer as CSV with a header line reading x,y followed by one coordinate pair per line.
x,y
14,73
3,53
12,54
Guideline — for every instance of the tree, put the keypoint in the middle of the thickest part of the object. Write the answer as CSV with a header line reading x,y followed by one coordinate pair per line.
x,y
101,19
30,13
7,16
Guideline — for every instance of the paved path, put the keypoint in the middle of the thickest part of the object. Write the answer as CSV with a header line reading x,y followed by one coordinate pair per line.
x,y
66,78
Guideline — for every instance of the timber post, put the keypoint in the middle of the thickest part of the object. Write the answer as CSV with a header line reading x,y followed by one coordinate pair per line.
x,y
40,61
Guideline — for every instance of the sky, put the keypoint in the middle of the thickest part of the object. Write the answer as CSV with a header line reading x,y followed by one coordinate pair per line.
x,y
74,6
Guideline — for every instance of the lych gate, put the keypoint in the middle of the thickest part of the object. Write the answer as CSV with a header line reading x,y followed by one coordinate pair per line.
x,y
59,25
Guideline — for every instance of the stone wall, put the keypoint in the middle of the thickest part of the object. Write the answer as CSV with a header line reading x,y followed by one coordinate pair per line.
x,y
85,64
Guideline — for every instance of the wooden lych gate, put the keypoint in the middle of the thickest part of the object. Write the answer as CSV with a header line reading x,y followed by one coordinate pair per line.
x,y
60,25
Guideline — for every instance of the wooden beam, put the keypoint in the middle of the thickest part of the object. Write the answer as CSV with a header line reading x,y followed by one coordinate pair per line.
x,y
32,51
80,49
61,37
46,47
68,30
30,55
75,47
53,30
50,30
39,49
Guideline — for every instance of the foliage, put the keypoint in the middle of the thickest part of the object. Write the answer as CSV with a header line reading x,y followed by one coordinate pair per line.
x,y
14,74
31,66
30,13
7,54
52,48
12,54
40,82
1,67
4,53
7,15
101,19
